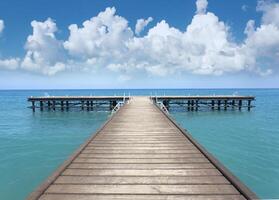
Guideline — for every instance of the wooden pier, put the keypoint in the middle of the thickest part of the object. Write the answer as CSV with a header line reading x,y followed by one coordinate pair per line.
x,y
88,103
141,153
194,103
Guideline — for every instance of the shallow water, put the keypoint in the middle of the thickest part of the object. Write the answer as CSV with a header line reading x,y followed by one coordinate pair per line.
x,y
33,145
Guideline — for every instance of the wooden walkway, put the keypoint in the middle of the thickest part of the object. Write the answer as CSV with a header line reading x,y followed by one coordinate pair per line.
x,y
141,154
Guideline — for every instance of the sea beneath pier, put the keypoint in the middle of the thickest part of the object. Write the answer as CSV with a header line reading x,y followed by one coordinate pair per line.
x,y
245,142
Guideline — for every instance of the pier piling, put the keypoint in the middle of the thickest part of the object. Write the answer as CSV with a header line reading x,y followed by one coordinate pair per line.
x,y
62,105
87,105
33,106
212,104
82,105
41,105
239,104
219,104
249,105
53,105
226,105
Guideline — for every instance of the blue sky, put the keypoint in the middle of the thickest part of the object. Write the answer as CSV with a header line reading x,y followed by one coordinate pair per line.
x,y
29,63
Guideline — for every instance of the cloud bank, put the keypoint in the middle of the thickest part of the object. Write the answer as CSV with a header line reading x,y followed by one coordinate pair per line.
x,y
106,42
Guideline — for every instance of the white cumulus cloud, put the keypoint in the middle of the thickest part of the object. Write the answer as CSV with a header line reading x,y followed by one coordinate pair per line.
x,y
102,38
10,64
262,43
201,6
44,52
205,46
141,24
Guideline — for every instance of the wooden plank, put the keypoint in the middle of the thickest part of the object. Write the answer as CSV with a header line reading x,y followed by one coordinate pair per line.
x,y
128,148
147,180
142,137
139,197
138,156
141,166
138,142
108,161
138,145
136,172
140,151
142,189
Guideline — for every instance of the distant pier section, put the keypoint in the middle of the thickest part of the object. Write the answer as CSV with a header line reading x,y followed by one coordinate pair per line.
x,y
184,103
213,102
88,103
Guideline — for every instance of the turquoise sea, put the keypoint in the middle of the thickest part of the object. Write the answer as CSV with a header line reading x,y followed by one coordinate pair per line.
x,y
32,145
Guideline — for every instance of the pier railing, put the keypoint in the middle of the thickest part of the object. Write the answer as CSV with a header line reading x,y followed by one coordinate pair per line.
x,y
162,107
117,107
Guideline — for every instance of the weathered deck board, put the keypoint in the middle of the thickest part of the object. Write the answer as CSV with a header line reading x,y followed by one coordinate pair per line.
x,y
167,180
139,154
139,197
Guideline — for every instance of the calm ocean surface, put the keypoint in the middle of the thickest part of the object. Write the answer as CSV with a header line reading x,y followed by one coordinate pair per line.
x,y
32,145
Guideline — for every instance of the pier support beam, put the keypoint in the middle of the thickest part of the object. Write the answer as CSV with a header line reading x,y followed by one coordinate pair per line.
x,y
197,105
41,105
219,104
67,105
114,103
62,105
233,104
33,106
239,104
226,104
249,105
188,105
82,105
53,105
212,104
87,105
48,104
192,105
91,104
